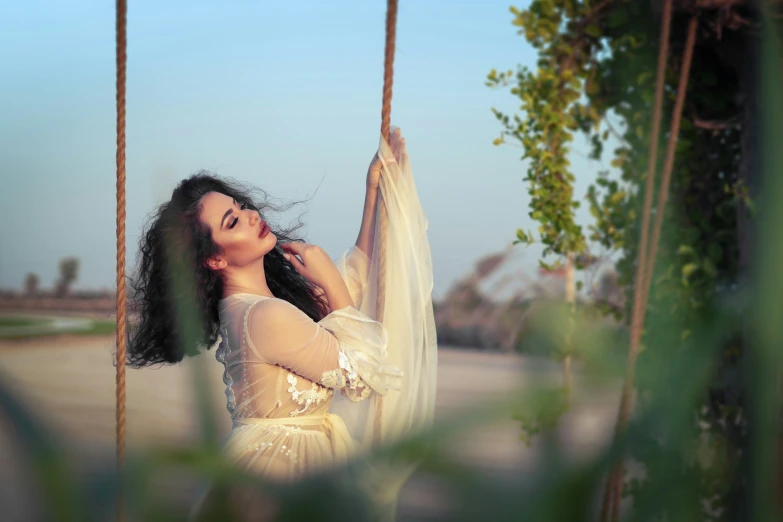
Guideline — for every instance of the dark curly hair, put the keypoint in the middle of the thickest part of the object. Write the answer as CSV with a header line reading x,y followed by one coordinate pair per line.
x,y
175,296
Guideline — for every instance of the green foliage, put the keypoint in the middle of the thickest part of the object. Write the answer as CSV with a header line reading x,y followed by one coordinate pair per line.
x,y
541,413
596,67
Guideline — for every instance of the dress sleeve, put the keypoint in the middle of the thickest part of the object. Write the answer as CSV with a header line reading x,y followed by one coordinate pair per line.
x,y
354,266
345,351
407,314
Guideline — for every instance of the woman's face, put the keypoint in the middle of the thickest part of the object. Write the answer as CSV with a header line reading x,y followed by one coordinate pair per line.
x,y
241,235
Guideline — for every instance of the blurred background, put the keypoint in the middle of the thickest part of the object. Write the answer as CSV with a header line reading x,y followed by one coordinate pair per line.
x,y
533,183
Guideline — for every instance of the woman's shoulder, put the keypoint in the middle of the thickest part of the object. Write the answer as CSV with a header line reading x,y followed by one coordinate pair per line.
x,y
273,312
273,324
251,305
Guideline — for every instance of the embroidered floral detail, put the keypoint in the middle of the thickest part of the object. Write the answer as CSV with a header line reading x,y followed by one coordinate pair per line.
x,y
346,379
332,379
305,398
353,378
223,351
356,394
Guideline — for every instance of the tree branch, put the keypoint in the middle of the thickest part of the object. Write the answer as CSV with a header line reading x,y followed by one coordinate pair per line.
x,y
716,125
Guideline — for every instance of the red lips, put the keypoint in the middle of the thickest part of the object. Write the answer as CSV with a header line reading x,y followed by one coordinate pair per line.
x,y
264,229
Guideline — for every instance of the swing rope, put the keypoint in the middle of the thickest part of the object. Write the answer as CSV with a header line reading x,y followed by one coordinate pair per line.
x,y
121,44
388,80
121,62
610,508
388,66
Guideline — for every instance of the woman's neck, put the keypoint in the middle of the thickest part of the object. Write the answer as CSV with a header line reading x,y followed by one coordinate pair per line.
x,y
250,279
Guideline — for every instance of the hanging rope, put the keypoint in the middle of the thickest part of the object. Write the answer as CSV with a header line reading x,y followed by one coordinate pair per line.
x,y
388,80
646,263
121,32
668,165
388,66
663,51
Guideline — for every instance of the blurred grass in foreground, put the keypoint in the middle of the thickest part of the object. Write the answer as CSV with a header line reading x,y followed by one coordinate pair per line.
x,y
557,489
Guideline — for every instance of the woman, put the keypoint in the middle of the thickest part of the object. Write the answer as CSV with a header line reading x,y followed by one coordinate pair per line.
x,y
292,326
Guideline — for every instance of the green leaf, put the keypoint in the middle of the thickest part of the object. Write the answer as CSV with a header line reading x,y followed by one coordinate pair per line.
x,y
617,17
686,250
689,269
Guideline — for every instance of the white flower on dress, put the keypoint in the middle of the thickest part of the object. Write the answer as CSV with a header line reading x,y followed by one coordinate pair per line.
x,y
305,398
346,379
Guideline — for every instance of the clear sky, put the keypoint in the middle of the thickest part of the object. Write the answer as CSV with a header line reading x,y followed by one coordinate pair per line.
x,y
284,95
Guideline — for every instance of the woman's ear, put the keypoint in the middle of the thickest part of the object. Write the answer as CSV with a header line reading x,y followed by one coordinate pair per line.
x,y
216,263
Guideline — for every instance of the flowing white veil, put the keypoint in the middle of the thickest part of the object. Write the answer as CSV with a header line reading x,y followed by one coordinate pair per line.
x,y
409,321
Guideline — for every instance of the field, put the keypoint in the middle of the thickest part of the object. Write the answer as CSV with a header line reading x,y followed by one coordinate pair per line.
x,y
68,381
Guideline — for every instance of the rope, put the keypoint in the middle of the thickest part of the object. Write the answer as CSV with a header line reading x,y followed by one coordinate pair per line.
x,y
646,264
663,51
663,194
121,29
388,80
663,191
388,67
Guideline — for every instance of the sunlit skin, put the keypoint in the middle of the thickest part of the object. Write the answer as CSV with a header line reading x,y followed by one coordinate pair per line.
x,y
235,231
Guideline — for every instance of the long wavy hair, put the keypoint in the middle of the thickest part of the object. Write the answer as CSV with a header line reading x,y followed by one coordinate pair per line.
x,y
175,295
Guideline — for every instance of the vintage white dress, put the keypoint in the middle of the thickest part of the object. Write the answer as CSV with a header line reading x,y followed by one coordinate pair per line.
x,y
282,369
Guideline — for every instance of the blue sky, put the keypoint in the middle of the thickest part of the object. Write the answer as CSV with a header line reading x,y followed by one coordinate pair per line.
x,y
284,95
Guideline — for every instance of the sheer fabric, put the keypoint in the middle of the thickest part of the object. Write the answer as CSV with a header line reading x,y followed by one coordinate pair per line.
x,y
409,321
282,369
281,372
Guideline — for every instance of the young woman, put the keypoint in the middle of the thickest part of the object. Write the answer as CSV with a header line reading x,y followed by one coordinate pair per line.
x,y
293,327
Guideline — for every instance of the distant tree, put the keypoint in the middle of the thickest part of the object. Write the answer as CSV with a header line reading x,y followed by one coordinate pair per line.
x,y
608,289
69,272
31,282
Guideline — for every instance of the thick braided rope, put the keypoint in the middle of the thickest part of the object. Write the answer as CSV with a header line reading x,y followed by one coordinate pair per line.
x,y
668,164
122,11
388,80
646,263
636,316
663,194
388,66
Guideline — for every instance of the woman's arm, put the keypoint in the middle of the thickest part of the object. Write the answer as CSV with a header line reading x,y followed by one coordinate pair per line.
x,y
337,294
366,238
324,352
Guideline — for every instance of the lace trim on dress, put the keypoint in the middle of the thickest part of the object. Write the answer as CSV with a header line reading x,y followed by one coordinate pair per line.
x,y
346,379
223,351
306,398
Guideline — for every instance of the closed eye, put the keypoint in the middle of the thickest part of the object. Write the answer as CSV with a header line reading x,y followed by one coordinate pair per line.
x,y
242,206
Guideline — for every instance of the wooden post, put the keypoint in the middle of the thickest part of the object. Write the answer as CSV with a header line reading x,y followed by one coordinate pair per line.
x,y
570,299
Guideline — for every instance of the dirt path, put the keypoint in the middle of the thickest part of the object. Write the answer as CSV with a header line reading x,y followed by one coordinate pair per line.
x,y
69,383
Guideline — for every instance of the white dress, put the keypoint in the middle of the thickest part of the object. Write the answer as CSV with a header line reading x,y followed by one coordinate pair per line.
x,y
281,373
282,369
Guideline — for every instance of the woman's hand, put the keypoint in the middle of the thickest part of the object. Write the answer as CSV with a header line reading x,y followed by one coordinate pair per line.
x,y
374,172
312,262
315,265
